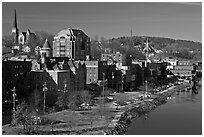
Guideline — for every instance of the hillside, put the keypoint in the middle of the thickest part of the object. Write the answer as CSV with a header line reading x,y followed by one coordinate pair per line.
x,y
135,45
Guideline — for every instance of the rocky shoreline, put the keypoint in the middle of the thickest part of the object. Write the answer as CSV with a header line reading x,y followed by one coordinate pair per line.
x,y
120,124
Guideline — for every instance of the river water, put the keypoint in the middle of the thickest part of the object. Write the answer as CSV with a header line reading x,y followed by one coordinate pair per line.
x,y
181,115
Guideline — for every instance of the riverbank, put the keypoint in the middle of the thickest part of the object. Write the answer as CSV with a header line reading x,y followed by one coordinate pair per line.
x,y
101,119
120,125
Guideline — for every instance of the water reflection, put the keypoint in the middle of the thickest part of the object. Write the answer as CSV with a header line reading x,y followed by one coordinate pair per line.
x,y
181,115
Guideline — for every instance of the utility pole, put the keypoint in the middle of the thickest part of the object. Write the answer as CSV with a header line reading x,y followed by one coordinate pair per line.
x,y
146,88
122,84
112,80
44,91
14,105
65,85
103,90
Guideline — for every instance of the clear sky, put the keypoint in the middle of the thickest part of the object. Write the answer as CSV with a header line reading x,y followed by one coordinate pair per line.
x,y
172,20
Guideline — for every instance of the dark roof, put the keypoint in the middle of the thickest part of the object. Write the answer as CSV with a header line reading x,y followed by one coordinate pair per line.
x,y
78,32
24,33
46,45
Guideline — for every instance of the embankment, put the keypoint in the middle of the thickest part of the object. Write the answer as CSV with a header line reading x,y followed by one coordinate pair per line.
x,y
120,124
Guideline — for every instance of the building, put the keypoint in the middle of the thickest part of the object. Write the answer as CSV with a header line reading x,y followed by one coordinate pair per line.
x,y
95,70
24,41
46,50
26,36
184,63
13,74
61,74
171,63
184,69
117,59
157,70
72,43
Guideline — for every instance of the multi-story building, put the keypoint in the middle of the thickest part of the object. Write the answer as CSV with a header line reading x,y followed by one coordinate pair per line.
x,y
13,74
113,58
72,43
95,70
184,68
61,74
157,70
184,63
117,59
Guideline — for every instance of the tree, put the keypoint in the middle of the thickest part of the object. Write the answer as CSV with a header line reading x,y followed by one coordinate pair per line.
x,y
42,36
36,99
63,100
85,96
7,41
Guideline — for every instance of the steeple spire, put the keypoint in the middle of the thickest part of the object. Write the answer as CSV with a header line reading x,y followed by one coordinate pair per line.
x,y
15,20
15,29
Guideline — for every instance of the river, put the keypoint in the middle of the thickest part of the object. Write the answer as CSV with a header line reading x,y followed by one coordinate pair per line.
x,y
181,115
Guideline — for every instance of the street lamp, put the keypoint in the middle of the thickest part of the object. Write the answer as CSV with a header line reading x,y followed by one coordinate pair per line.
x,y
44,90
14,105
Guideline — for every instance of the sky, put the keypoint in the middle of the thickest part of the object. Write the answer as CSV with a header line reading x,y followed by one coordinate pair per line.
x,y
109,20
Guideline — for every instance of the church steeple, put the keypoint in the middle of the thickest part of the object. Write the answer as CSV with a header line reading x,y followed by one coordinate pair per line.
x,y
15,21
15,29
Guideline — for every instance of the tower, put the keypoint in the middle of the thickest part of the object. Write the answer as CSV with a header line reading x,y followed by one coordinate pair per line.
x,y
15,30
46,50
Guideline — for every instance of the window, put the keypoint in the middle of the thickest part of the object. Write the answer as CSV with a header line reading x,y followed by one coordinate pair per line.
x,y
62,43
62,48
82,45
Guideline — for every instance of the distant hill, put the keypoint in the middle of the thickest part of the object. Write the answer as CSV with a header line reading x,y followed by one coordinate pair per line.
x,y
134,45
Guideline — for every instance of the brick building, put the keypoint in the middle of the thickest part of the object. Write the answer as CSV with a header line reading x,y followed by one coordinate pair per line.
x,y
72,43
13,74
60,74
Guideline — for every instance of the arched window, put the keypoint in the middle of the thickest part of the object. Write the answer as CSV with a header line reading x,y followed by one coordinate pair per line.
x,y
62,37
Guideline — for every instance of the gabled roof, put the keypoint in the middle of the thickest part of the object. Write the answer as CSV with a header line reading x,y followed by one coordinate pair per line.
x,y
77,64
72,32
72,66
56,67
24,33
